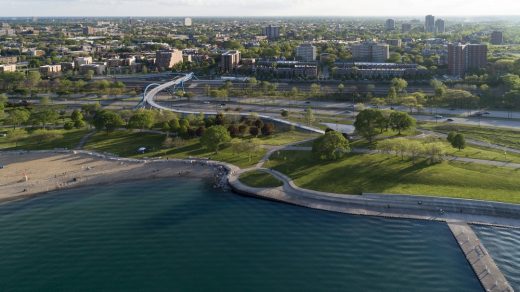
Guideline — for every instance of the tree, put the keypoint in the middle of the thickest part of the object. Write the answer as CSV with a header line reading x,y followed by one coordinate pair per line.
x,y
315,89
45,100
341,87
400,121
459,141
15,135
44,117
17,117
366,123
285,113
309,116
399,84
331,146
214,137
268,129
107,120
142,119
392,95
451,136
254,131
76,115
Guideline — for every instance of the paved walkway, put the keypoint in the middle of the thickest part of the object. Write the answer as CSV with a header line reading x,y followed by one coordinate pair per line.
x,y
84,140
474,142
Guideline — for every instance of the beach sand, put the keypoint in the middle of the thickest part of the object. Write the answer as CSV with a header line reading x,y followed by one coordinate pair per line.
x,y
30,173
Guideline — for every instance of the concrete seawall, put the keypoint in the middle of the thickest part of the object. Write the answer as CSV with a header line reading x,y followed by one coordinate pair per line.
x,y
478,257
391,206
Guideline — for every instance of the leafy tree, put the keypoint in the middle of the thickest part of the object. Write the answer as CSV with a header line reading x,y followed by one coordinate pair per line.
x,y
267,129
451,136
399,84
15,135
68,125
331,146
392,95
400,121
459,141
78,124
285,113
107,120
254,131
76,115
44,117
309,116
174,124
17,117
366,123
315,89
142,119
214,137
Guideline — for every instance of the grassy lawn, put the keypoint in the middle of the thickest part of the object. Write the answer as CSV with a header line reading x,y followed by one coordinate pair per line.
x,y
65,139
483,153
287,138
504,137
126,143
379,173
259,179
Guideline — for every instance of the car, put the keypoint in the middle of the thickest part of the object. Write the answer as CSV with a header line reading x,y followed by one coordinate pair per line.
x,y
206,102
486,113
449,120
307,102
438,117
452,109
1,166
222,104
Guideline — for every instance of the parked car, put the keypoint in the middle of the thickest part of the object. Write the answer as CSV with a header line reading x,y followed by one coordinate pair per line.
x,y
449,120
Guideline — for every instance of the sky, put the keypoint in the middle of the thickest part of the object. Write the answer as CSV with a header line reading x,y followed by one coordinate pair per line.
x,y
257,7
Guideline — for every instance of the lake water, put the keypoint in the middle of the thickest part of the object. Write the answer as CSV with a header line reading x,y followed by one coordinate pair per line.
x,y
181,235
503,245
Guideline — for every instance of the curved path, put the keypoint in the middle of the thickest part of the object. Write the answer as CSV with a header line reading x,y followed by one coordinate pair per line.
x,y
149,97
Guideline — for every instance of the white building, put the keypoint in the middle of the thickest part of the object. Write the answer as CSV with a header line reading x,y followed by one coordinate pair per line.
x,y
188,21
306,52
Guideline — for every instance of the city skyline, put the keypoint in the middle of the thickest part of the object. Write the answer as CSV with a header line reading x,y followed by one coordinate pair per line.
x,y
254,8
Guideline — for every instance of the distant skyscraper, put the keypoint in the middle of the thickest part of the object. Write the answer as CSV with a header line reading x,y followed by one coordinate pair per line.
x,y
440,26
390,24
272,32
429,23
306,52
187,21
462,58
406,27
497,37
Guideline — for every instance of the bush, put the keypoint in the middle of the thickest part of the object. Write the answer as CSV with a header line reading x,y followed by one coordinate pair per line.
x,y
68,126
253,131
268,129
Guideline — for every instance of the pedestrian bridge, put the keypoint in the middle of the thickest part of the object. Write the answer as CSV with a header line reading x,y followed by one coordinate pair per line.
x,y
153,89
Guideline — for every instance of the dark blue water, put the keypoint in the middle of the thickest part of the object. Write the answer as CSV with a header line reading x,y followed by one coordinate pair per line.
x,y
181,235
504,246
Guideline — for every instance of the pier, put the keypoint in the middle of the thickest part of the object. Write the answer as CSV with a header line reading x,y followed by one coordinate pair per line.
x,y
478,257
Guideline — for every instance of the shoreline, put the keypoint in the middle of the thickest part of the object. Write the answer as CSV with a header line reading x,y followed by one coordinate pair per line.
x,y
30,173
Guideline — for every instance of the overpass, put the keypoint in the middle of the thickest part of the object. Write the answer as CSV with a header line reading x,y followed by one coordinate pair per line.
x,y
153,89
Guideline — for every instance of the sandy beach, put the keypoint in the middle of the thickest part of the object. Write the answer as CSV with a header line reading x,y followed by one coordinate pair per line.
x,y
30,173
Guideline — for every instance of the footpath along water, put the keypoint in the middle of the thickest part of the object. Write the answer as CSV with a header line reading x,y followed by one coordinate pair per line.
x,y
181,234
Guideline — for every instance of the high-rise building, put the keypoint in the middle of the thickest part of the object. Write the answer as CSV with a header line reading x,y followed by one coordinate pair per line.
x,y
429,23
476,56
462,58
306,52
167,59
497,37
406,27
394,42
390,24
440,26
370,52
187,21
230,60
380,53
272,32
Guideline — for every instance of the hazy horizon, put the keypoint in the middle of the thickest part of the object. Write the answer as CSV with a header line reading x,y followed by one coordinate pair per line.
x,y
255,8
